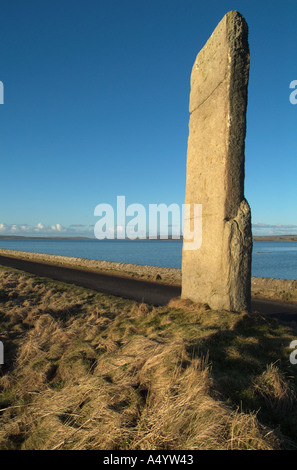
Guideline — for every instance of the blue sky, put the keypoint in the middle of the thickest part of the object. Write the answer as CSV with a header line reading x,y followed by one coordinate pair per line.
x,y
96,105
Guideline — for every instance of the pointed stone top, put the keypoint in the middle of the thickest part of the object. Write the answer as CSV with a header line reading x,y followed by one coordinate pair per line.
x,y
230,36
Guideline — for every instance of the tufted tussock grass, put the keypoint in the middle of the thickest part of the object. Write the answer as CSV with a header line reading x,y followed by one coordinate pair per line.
x,y
86,371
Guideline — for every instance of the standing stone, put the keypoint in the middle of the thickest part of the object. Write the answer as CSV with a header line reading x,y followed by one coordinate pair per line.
x,y
219,272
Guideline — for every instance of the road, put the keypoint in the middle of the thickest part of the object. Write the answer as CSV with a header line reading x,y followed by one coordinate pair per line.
x,y
150,292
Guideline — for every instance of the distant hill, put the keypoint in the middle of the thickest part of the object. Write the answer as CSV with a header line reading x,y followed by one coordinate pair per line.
x,y
290,238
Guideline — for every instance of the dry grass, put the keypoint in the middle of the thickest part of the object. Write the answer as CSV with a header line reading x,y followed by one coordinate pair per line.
x,y
281,290
274,387
87,371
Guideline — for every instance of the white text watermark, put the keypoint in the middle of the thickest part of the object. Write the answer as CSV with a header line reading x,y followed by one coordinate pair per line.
x,y
1,353
293,355
1,93
144,225
293,94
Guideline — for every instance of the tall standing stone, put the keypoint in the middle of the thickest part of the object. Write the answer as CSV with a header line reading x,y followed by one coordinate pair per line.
x,y
219,272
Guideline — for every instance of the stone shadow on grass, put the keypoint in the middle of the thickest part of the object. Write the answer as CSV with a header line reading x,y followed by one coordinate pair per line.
x,y
239,357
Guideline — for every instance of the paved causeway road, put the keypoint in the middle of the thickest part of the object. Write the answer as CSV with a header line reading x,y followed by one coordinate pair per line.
x,y
154,293
149,292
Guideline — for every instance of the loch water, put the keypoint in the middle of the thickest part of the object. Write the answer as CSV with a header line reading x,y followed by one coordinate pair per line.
x,y
276,259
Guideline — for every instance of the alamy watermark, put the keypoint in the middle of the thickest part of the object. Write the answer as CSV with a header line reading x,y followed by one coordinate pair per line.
x,y
1,93
144,225
1,353
293,94
293,355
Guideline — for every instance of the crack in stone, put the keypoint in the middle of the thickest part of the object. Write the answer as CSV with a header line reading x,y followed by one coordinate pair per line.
x,y
224,79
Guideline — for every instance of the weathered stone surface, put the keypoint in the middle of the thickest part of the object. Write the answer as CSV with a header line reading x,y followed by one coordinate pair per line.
x,y
219,273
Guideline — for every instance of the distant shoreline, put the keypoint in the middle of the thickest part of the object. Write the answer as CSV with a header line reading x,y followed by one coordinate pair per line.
x,y
276,238
289,238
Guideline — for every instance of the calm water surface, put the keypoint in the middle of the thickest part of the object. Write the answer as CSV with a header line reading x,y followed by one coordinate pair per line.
x,y
270,259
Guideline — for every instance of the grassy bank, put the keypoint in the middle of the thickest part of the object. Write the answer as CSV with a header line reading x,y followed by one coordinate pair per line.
x,y
150,273
89,371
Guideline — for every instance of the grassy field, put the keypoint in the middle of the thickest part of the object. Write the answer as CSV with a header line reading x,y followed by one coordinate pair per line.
x,y
89,371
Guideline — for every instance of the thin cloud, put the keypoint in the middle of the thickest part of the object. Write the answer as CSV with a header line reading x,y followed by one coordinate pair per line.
x,y
57,229
273,229
40,229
